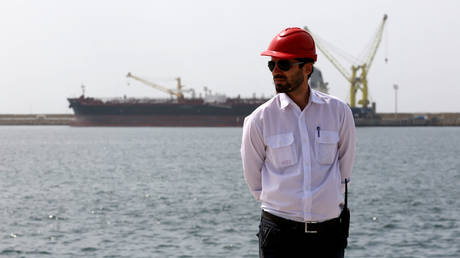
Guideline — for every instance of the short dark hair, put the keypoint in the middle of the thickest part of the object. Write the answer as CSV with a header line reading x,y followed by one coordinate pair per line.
x,y
306,61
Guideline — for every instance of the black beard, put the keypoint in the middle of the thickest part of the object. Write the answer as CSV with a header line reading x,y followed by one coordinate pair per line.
x,y
284,88
288,87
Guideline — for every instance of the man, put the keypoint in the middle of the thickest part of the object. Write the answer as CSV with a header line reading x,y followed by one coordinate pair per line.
x,y
297,151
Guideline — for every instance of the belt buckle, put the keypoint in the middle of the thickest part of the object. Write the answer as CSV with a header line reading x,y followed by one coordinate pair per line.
x,y
309,231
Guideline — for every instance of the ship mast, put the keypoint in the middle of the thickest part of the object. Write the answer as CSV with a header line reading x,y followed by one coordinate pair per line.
x,y
83,90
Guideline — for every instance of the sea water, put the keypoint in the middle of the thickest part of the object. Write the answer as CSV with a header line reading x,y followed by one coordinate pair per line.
x,y
180,192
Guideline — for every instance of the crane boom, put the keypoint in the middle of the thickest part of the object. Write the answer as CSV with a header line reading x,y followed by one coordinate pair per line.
x,y
177,93
329,56
376,43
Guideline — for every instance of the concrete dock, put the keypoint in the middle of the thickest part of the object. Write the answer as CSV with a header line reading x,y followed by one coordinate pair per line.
x,y
411,119
36,119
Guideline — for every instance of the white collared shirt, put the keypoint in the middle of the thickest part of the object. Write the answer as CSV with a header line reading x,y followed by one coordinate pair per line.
x,y
296,161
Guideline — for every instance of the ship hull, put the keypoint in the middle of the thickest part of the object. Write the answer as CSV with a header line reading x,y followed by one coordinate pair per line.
x,y
93,112
157,120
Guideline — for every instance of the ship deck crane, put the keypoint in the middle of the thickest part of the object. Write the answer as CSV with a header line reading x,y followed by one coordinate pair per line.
x,y
359,72
177,93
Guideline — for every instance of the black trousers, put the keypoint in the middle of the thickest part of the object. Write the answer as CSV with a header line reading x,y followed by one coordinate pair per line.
x,y
279,240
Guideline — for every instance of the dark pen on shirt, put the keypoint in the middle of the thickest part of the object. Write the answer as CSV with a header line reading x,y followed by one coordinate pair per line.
x,y
318,129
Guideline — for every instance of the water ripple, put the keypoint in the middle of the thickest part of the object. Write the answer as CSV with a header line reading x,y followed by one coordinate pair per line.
x,y
180,192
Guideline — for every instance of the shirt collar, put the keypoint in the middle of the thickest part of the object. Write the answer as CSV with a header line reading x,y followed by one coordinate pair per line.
x,y
315,97
285,100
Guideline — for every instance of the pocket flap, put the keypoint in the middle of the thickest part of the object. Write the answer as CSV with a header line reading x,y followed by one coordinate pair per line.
x,y
280,140
330,137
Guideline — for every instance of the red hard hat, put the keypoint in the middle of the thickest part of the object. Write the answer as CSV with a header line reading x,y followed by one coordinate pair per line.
x,y
292,43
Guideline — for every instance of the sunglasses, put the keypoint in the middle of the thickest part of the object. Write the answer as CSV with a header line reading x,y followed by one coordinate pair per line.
x,y
283,65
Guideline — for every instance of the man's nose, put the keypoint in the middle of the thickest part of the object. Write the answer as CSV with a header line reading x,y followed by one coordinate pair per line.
x,y
276,70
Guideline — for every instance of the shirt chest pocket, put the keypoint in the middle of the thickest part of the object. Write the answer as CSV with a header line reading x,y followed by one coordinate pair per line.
x,y
326,147
281,150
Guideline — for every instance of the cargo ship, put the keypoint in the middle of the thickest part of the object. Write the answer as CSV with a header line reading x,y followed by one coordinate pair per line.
x,y
211,110
157,112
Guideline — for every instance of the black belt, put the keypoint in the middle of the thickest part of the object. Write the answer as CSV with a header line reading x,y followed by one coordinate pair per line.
x,y
308,227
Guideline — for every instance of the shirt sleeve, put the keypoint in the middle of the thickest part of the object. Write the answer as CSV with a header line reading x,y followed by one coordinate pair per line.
x,y
347,144
252,155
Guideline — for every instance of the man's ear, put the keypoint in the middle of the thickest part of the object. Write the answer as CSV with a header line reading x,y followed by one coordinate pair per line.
x,y
308,68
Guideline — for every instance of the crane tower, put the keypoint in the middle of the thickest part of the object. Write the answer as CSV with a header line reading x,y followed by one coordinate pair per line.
x,y
359,71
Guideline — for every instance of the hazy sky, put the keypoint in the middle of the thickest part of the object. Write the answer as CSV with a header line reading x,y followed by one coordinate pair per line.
x,y
49,48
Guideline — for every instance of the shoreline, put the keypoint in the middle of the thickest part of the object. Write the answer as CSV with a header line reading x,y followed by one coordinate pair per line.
x,y
384,119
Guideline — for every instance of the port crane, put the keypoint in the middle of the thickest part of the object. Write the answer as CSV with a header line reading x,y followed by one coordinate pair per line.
x,y
179,92
359,72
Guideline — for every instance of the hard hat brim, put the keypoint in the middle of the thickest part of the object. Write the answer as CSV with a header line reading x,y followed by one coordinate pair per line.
x,y
284,55
277,54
